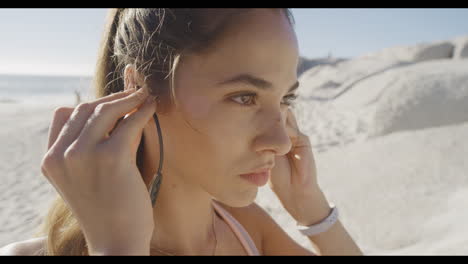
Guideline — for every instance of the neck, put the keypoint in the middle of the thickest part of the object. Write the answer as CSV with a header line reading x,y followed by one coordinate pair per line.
x,y
184,219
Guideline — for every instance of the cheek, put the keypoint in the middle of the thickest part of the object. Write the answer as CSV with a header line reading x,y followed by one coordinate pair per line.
x,y
209,117
196,107
205,124
217,124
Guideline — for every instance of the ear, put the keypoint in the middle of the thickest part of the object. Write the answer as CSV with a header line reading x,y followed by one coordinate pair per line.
x,y
132,77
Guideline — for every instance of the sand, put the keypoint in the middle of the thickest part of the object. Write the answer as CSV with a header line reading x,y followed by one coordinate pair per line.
x,y
24,193
389,135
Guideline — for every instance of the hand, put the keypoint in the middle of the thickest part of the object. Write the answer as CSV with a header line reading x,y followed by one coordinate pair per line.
x,y
294,177
96,173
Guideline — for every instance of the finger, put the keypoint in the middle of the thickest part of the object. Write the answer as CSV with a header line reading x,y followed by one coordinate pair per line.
x,y
74,124
61,116
105,115
129,130
291,120
291,126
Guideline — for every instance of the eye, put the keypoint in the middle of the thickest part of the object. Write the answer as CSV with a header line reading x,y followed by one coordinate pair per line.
x,y
245,98
249,97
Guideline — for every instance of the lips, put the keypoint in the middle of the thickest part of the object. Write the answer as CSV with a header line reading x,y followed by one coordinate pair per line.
x,y
259,178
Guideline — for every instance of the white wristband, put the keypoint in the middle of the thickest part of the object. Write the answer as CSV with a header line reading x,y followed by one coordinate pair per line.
x,y
320,227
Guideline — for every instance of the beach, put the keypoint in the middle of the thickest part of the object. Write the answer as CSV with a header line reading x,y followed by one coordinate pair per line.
x,y
24,193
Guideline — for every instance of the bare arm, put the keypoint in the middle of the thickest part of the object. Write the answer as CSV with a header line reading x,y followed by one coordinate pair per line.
x,y
336,240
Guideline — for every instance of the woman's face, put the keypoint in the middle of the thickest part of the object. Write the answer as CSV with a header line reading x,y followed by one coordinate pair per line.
x,y
220,131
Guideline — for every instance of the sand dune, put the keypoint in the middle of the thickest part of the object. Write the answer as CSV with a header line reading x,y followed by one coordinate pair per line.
x,y
382,92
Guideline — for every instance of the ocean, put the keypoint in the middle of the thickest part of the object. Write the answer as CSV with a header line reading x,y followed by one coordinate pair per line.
x,y
42,89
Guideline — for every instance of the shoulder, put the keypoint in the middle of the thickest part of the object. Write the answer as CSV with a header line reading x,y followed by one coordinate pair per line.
x,y
30,247
272,239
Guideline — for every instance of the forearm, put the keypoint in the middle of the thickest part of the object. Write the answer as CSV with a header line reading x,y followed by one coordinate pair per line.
x,y
334,241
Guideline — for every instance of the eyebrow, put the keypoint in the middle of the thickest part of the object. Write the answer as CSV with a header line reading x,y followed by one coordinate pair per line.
x,y
255,81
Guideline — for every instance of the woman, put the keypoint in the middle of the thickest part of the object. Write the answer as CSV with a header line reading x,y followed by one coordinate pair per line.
x,y
223,80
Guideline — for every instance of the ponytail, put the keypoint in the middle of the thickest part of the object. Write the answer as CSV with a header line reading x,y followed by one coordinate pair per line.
x,y
106,65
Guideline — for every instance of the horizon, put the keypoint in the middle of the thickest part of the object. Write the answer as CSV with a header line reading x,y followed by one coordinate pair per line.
x,y
24,74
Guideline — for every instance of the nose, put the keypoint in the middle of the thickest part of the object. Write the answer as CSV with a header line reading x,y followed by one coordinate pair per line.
x,y
273,136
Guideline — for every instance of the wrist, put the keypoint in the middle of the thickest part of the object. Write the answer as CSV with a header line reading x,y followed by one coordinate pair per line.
x,y
315,209
321,227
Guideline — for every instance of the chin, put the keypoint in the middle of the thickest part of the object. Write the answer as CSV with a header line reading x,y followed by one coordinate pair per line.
x,y
241,199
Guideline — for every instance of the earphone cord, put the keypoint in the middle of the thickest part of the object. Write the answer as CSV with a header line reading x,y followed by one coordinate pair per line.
x,y
157,181
158,178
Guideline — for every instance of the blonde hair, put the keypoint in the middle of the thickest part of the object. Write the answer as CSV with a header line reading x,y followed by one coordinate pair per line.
x,y
154,40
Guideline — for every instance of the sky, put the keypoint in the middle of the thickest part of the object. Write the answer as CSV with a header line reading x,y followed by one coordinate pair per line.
x,y
66,41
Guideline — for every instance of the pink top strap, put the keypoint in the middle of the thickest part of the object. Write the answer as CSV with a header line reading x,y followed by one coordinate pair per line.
x,y
239,230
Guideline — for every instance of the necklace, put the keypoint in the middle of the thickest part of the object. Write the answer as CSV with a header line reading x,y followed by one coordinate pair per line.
x,y
215,247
